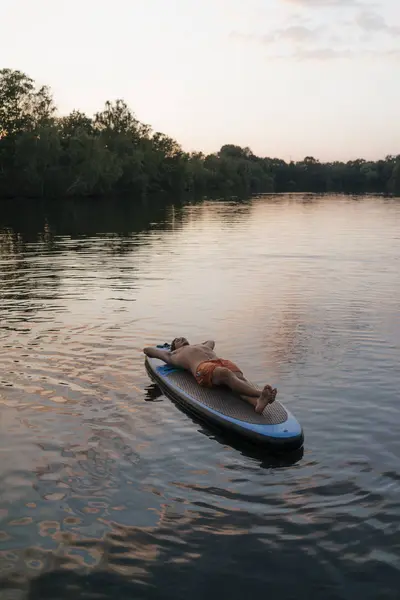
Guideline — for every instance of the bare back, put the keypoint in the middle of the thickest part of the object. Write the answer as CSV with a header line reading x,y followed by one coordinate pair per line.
x,y
189,357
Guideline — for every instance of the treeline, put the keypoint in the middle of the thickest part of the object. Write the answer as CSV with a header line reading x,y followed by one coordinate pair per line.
x,y
45,155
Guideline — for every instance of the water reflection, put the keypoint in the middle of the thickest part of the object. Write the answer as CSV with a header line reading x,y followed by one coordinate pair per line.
x,y
107,488
265,457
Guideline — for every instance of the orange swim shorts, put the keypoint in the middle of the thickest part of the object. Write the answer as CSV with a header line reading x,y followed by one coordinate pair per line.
x,y
205,370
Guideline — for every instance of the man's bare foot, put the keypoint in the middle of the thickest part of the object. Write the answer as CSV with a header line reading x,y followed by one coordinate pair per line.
x,y
268,396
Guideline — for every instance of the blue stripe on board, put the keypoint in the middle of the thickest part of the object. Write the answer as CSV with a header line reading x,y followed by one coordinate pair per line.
x,y
290,428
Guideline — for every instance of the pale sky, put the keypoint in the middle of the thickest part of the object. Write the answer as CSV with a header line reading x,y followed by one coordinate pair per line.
x,y
289,78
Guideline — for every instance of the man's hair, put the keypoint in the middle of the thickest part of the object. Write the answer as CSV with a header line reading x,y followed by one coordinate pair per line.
x,y
173,344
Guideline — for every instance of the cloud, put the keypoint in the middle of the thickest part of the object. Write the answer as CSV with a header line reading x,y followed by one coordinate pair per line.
x,y
322,54
373,23
298,33
322,3
294,33
300,46
329,54
338,38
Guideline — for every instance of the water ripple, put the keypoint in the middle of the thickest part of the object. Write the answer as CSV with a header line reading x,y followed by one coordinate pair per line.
x,y
109,489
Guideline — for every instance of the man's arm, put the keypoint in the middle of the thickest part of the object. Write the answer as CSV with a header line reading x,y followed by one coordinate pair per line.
x,y
209,343
164,355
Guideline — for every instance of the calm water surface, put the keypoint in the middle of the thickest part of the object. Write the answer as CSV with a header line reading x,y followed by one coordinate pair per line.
x,y
108,490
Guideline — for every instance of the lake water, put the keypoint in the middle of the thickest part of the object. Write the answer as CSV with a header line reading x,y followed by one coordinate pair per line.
x,y
108,489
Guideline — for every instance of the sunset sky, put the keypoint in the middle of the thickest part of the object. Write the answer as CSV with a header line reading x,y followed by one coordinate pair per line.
x,y
288,78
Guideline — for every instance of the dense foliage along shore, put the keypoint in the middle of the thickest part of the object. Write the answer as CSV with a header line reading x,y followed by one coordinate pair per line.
x,y
43,154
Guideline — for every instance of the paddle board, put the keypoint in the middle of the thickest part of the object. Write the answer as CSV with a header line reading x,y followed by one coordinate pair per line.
x,y
276,426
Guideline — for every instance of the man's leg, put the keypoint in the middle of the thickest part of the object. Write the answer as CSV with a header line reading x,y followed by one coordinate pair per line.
x,y
250,399
255,401
237,383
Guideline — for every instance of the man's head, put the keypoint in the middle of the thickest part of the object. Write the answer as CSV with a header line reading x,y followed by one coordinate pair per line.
x,y
179,343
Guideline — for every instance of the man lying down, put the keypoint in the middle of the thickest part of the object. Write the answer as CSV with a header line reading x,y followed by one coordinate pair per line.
x,y
210,371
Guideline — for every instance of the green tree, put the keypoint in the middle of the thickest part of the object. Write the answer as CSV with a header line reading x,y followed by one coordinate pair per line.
x,y
91,168
75,122
37,157
394,183
114,153
22,106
